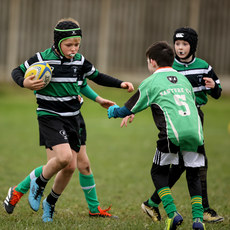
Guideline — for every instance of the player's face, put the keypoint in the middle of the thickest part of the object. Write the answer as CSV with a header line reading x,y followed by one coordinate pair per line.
x,y
182,48
70,47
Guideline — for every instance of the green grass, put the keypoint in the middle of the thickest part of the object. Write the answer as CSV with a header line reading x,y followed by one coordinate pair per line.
x,y
121,160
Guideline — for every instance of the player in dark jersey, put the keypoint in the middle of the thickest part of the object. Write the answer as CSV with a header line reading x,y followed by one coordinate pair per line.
x,y
204,82
61,125
172,101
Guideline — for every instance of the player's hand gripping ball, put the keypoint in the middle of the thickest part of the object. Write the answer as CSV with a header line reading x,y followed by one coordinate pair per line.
x,y
41,70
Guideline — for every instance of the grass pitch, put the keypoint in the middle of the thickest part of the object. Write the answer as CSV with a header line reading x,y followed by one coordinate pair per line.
x,y
121,160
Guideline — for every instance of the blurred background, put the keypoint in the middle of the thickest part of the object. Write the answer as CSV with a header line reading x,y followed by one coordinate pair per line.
x,y
116,33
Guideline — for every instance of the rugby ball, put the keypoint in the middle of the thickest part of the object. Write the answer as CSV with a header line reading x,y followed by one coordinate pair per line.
x,y
41,70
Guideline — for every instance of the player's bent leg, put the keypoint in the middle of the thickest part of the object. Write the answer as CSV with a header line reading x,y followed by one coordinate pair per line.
x,y
150,207
160,176
48,206
192,163
64,176
15,193
86,180
35,195
24,185
60,182
175,173
194,186
88,185
160,179
63,156
83,163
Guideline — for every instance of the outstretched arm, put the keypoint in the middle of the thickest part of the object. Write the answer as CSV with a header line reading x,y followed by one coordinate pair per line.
x,y
91,94
115,111
106,80
105,103
128,86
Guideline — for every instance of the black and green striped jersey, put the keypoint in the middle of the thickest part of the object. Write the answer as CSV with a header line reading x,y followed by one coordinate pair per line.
x,y
195,71
60,96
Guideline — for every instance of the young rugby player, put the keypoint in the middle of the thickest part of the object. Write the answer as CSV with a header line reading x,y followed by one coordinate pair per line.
x,y
170,96
61,125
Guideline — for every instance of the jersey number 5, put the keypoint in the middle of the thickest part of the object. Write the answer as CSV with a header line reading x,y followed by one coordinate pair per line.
x,y
181,101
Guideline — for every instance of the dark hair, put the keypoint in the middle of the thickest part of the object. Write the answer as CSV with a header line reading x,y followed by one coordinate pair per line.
x,y
162,53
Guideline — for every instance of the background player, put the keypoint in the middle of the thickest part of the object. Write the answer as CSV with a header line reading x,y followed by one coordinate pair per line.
x,y
204,82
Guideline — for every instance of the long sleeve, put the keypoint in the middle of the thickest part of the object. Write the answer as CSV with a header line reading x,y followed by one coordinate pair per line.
x,y
106,80
18,76
89,92
116,111
216,91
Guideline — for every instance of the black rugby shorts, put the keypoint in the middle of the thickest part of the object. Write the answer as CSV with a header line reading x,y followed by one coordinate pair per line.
x,y
82,129
56,130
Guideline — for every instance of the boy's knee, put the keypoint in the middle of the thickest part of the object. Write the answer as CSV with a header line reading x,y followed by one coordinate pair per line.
x,y
65,159
70,169
84,167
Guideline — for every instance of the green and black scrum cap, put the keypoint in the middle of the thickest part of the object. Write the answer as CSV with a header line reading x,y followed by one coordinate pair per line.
x,y
65,30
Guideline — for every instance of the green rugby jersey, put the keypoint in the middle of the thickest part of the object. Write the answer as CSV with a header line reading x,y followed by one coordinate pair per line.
x,y
60,96
171,98
195,71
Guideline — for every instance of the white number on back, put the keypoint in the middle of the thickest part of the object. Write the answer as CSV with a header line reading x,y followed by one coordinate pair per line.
x,y
181,101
